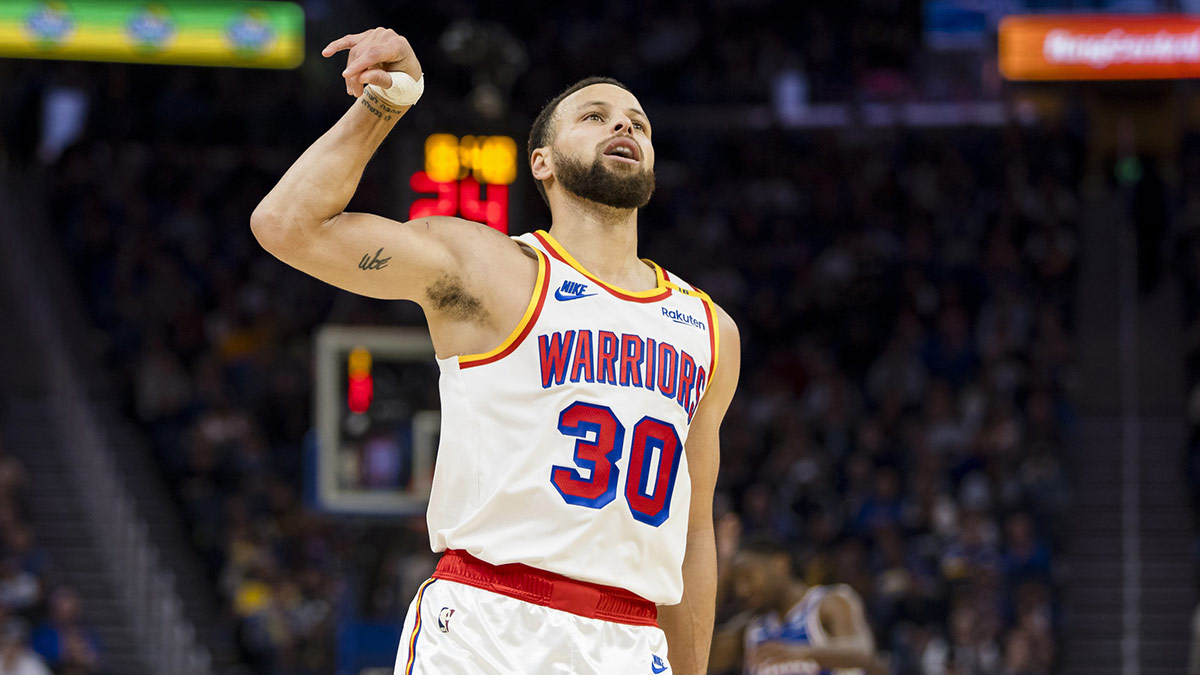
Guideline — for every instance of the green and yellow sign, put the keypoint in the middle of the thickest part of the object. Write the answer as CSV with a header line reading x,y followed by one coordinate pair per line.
x,y
180,32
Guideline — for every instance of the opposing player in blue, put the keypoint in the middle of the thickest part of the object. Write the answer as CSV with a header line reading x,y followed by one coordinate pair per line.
x,y
582,388
790,628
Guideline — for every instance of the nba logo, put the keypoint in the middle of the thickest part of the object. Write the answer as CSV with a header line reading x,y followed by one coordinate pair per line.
x,y
444,619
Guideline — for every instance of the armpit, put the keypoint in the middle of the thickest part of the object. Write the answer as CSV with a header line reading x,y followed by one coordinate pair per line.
x,y
450,297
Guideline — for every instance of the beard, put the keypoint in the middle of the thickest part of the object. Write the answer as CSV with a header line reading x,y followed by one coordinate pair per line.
x,y
598,183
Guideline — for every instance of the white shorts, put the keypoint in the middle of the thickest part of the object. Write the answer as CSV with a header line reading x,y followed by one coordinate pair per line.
x,y
453,629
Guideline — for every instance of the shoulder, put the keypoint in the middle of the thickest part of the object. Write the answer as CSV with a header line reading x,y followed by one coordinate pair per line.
x,y
479,253
838,598
729,328
839,592
468,239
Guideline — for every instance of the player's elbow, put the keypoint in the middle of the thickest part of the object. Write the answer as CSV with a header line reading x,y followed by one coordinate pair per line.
x,y
276,231
267,227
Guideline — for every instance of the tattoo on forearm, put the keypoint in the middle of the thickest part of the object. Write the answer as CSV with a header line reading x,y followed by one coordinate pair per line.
x,y
373,263
378,106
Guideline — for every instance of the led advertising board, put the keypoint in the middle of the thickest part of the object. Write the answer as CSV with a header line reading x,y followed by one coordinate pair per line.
x,y
1100,47
177,32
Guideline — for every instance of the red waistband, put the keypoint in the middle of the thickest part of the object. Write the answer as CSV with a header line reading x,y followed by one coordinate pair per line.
x,y
547,589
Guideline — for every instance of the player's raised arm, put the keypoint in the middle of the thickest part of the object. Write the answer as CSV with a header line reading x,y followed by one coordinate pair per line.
x,y
302,220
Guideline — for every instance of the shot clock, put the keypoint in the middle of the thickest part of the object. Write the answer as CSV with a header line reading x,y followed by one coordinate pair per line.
x,y
466,177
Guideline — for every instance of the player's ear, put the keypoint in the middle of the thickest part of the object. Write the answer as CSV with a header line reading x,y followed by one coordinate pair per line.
x,y
541,164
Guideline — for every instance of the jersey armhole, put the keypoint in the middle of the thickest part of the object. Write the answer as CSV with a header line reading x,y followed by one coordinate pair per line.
x,y
532,311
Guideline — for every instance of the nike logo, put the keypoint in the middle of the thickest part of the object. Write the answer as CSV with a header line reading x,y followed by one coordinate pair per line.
x,y
572,290
657,665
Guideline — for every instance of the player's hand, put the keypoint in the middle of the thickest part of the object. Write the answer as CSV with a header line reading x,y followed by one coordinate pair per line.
x,y
373,54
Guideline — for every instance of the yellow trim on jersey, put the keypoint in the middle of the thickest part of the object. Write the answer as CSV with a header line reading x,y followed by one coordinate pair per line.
x,y
715,322
663,284
694,292
535,301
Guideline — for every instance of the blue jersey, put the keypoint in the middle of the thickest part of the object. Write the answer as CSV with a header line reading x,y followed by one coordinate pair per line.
x,y
801,626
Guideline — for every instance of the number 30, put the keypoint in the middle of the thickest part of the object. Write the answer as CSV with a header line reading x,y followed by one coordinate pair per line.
x,y
601,440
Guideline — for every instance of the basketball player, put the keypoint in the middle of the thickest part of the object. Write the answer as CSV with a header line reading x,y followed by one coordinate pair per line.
x,y
791,628
582,389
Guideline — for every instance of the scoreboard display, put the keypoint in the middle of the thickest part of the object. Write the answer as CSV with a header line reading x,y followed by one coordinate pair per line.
x,y
467,177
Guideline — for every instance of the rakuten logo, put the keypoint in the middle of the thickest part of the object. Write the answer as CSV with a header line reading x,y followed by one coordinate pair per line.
x,y
685,319
1117,46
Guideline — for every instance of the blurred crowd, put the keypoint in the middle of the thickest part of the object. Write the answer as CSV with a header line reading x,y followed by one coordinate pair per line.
x,y
42,630
904,299
905,308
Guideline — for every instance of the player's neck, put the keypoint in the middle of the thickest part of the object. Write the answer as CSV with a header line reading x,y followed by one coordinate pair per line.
x,y
791,596
604,241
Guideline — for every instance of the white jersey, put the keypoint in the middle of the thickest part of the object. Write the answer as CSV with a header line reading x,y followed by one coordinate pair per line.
x,y
563,448
802,626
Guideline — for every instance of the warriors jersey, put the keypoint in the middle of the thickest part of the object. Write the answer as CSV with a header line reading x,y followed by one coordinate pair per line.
x,y
563,448
801,626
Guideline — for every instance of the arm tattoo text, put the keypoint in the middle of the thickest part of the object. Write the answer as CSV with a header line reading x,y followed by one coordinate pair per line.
x,y
373,263
378,107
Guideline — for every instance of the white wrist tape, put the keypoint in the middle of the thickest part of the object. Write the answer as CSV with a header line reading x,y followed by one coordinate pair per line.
x,y
404,89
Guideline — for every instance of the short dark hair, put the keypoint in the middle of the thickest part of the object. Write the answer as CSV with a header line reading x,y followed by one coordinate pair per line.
x,y
542,133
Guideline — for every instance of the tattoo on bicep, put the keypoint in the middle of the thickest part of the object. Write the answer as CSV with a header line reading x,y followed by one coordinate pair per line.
x,y
377,106
375,262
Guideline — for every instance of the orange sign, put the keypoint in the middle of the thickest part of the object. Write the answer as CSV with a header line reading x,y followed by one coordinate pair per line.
x,y
1100,47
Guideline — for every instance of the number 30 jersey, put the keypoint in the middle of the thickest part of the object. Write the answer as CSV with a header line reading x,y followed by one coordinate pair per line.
x,y
563,448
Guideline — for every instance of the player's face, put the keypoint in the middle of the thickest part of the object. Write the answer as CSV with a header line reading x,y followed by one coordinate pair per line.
x,y
602,150
756,579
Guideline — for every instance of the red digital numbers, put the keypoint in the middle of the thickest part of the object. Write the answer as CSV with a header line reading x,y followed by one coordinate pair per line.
x,y
461,198
469,177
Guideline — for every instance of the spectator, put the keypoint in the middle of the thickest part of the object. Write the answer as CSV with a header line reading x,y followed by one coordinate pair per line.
x,y
16,658
1025,557
63,640
20,590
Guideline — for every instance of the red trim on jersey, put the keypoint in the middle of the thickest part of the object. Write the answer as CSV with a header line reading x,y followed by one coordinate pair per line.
x,y
531,316
559,253
538,587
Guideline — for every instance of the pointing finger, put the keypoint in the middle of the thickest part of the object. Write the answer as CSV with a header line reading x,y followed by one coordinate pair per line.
x,y
344,42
